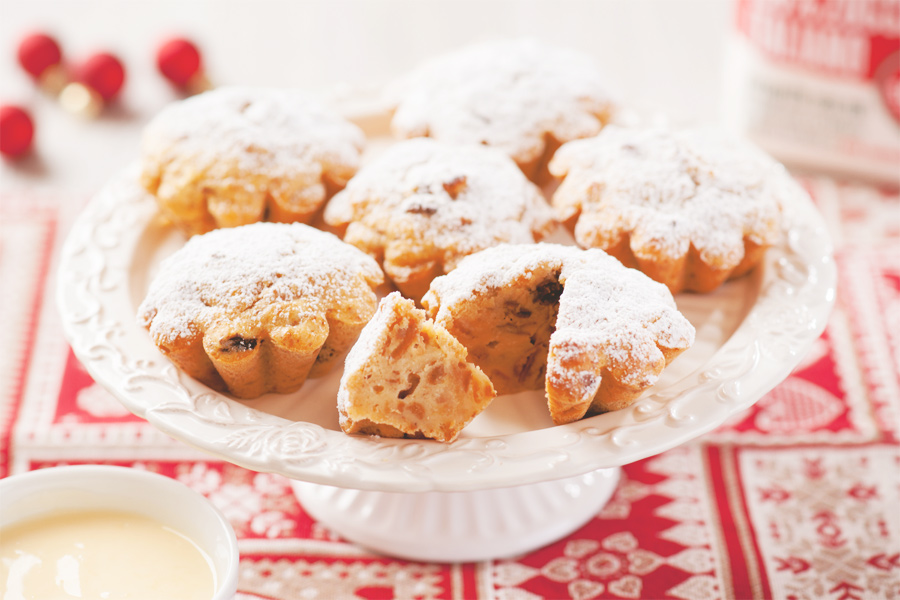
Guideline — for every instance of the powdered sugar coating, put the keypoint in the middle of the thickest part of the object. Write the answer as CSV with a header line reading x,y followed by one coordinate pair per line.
x,y
610,317
619,314
436,202
509,94
240,271
226,157
491,269
669,190
262,130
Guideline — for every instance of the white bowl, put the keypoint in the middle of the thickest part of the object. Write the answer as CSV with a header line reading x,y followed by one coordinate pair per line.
x,y
94,487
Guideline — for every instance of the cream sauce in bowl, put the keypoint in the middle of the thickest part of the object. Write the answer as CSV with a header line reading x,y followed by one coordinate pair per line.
x,y
102,555
104,532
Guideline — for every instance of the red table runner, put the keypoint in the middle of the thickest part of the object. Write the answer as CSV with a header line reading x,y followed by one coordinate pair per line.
x,y
799,497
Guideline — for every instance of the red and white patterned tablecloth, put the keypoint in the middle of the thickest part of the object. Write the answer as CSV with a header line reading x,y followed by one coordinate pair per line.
x,y
799,497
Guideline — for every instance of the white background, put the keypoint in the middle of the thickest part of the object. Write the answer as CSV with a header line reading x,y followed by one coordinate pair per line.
x,y
660,54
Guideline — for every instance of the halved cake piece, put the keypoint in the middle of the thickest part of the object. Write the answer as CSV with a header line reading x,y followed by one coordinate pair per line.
x,y
503,307
592,332
408,377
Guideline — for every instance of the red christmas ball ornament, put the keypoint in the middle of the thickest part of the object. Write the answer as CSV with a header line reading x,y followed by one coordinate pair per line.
x,y
40,56
37,53
102,73
179,61
16,131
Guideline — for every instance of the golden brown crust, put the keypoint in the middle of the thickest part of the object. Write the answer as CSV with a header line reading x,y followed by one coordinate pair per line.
x,y
235,156
594,388
260,308
423,205
691,208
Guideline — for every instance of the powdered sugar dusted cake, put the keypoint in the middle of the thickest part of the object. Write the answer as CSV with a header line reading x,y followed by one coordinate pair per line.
x,y
423,205
520,96
235,156
689,208
257,308
615,333
594,333
407,377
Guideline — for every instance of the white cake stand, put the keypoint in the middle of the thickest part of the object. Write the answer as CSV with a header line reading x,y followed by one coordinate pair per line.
x,y
512,481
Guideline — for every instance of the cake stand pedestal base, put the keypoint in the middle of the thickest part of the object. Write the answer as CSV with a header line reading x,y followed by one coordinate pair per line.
x,y
460,526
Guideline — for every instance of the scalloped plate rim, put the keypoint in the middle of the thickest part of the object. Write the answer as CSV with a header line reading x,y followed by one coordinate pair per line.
x,y
334,458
